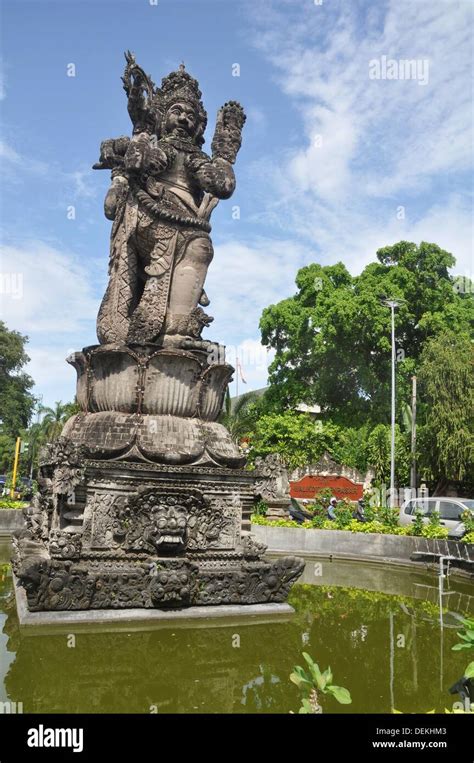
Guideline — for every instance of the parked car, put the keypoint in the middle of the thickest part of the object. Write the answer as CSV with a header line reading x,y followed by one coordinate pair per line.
x,y
450,511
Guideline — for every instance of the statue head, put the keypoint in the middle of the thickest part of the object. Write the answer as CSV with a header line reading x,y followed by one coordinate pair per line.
x,y
180,120
181,108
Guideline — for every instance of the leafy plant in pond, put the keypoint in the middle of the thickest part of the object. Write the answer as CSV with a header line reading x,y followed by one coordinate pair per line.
x,y
313,683
467,642
467,636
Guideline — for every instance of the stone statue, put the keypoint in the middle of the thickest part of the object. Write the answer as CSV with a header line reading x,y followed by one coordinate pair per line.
x,y
164,188
272,485
144,499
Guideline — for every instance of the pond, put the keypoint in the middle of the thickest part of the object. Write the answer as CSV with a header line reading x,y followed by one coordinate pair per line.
x,y
381,630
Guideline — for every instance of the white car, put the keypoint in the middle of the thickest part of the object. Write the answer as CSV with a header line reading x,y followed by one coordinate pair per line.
x,y
450,511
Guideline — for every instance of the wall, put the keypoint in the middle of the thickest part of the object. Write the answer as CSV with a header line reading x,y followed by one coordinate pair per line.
x,y
343,544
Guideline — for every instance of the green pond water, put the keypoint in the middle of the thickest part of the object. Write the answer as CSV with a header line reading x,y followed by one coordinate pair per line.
x,y
380,629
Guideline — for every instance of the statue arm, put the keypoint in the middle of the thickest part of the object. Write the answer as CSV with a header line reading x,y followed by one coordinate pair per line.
x,y
216,176
144,154
112,157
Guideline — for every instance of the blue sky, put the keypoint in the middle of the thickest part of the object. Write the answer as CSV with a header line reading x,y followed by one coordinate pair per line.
x,y
329,155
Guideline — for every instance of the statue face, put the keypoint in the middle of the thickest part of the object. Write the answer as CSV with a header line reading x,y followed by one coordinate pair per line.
x,y
181,119
169,526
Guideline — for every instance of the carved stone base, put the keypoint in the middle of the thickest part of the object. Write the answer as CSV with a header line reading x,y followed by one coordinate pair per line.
x,y
121,535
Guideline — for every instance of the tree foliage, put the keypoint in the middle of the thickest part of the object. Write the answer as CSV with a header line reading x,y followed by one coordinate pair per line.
x,y
53,419
332,338
16,399
239,416
447,390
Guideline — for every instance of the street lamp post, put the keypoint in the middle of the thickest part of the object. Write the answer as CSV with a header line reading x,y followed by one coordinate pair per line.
x,y
392,304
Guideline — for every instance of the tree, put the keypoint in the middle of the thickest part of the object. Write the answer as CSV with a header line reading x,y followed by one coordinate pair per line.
x,y
16,400
239,416
7,451
332,338
447,400
54,419
378,455
296,436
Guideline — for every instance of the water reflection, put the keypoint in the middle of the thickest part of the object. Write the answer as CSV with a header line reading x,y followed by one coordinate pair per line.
x,y
388,649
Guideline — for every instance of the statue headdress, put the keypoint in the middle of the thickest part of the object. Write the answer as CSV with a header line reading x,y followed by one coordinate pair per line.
x,y
147,104
180,86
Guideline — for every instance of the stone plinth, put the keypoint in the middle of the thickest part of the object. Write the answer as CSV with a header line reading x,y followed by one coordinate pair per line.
x,y
135,535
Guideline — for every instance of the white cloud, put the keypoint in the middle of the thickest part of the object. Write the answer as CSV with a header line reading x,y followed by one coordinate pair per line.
x,y
47,295
378,136
3,91
369,146
8,153
54,378
245,277
14,165
45,290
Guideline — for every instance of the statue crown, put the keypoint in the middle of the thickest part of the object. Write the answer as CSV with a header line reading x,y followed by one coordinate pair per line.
x,y
179,85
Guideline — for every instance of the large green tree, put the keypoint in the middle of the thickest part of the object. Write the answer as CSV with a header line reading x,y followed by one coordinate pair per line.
x,y
16,399
446,377
332,338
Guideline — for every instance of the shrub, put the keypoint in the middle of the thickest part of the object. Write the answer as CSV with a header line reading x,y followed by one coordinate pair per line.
x,y
324,496
319,516
467,517
257,519
468,538
389,516
417,525
438,533
261,508
11,503
343,513
434,529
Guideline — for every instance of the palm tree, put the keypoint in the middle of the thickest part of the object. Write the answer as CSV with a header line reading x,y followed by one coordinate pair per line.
x,y
53,419
238,416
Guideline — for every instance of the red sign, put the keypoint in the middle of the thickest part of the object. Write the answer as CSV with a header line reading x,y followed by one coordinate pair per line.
x,y
341,487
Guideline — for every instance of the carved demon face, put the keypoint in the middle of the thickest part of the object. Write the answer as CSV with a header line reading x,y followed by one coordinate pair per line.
x,y
181,120
169,527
